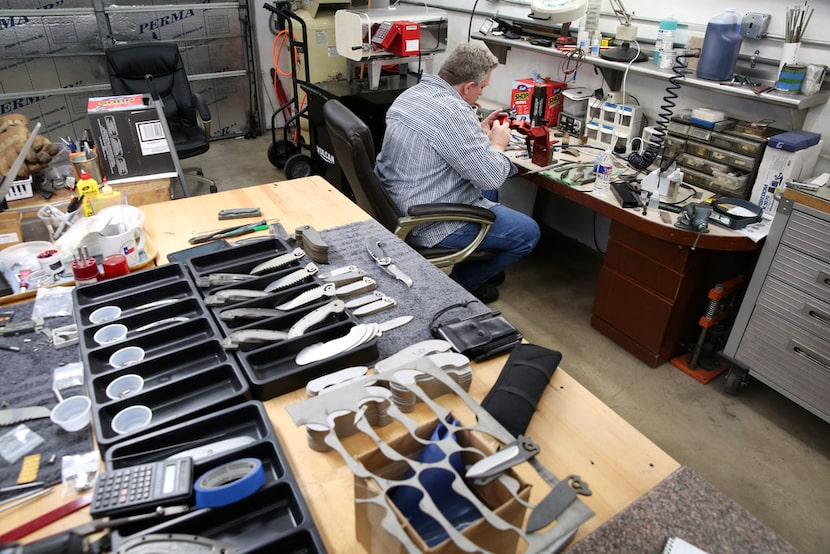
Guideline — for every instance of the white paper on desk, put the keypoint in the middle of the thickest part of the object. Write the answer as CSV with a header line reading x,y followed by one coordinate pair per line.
x,y
756,231
676,545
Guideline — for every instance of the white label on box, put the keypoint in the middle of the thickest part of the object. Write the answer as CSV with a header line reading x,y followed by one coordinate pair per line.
x,y
151,138
9,238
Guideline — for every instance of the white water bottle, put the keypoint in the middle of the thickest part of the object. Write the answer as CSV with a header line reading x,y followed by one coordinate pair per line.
x,y
602,173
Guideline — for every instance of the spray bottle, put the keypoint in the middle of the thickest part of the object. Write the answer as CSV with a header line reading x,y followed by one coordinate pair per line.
x,y
665,37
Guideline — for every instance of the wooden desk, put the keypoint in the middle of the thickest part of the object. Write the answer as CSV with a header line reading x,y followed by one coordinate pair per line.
x,y
138,194
653,286
577,433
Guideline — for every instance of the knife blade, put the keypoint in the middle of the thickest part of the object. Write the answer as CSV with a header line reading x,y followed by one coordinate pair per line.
x,y
385,262
555,502
19,415
394,323
523,448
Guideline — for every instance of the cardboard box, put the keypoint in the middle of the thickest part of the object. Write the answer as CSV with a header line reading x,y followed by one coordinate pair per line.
x,y
521,99
10,229
777,167
129,139
368,516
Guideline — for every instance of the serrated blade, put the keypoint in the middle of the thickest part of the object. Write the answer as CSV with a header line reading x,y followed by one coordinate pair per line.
x,y
279,261
19,415
292,278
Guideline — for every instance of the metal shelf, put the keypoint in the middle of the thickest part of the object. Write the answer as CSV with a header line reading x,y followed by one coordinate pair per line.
x,y
797,102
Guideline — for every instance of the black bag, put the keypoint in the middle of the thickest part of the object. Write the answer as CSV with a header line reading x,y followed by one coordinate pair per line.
x,y
478,337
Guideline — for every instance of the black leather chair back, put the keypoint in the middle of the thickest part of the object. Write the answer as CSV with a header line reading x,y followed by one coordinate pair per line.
x,y
127,66
355,152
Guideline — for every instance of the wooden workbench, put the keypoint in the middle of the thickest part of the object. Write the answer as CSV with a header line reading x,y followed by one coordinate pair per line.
x,y
577,433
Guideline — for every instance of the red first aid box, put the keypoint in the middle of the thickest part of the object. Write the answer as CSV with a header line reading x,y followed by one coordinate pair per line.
x,y
521,98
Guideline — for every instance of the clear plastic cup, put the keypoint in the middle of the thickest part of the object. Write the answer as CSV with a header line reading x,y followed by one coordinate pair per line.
x,y
105,314
72,414
125,386
110,334
126,356
132,419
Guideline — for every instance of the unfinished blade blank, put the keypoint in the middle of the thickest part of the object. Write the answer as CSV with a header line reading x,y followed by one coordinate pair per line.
x,y
306,297
292,278
280,261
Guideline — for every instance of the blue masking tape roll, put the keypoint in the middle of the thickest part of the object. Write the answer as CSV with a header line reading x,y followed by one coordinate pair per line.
x,y
229,483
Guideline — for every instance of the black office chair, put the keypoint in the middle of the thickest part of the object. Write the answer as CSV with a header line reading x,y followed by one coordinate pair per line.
x,y
128,66
355,152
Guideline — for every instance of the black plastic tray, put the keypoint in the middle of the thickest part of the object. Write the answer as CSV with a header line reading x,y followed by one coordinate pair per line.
x,y
201,392
241,259
274,519
156,342
164,369
272,369
128,290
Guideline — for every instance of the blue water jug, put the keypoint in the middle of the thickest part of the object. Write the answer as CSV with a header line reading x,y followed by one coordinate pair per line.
x,y
721,46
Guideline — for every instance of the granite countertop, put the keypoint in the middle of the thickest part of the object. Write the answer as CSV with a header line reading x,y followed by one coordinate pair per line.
x,y
687,506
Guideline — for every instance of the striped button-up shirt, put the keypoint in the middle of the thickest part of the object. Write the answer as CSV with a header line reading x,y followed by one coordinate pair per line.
x,y
434,151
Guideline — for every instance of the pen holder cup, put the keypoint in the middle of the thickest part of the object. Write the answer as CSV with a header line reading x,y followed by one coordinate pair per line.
x,y
86,161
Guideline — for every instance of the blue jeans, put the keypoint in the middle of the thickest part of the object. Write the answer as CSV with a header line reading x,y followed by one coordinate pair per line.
x,y
514,235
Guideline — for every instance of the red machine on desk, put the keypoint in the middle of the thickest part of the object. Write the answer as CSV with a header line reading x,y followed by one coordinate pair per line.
x,y
402,38
538,140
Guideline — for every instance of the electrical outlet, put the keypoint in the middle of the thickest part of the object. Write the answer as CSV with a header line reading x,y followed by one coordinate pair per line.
x,y
754,25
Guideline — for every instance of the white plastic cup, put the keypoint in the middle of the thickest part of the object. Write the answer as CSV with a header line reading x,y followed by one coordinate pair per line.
x,y
72,414
124,386
110,334
126,356
132,419
105,314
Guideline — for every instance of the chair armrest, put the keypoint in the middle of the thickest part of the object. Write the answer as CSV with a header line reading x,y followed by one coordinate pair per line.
x,y
201,106
432,213
448,211
204,112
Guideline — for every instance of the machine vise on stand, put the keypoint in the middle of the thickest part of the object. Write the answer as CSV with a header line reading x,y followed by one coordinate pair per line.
x,y
723,302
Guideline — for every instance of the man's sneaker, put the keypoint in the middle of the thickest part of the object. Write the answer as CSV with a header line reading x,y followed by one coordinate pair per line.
x,y
486,293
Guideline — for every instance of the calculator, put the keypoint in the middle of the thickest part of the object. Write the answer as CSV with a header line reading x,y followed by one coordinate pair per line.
x,y
142,488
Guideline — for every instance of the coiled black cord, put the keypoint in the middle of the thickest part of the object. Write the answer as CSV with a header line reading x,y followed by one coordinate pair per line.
x,y
652,151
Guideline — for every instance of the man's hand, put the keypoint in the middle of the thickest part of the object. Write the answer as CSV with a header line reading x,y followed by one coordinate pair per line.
x,y
487,122
499,135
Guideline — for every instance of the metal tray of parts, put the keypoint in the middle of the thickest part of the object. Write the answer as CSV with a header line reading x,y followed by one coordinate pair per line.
x,y
274,519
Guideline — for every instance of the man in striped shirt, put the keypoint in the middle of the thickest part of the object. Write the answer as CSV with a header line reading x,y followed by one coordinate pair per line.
x,y
436,150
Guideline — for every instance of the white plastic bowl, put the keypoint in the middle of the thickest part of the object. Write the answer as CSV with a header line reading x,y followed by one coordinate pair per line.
x,y
124,386
128,355
105,314
109,334
131,419
72,414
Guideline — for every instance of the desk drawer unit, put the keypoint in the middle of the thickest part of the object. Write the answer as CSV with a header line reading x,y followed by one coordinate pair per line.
x,y
784,339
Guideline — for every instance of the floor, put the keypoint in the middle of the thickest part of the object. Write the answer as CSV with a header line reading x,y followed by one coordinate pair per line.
x,y
766,452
